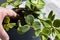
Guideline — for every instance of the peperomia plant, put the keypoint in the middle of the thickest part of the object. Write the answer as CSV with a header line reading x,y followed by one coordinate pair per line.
x,y
32,17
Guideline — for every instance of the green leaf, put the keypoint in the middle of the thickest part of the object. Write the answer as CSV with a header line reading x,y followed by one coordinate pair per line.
x,y
35,3
9,1
43,37
42,16
19,30
47,23
56,23
37,12
54,32
19,23
38,3
17,3
36,25
37,33
6,27
28,4
57,37
23,29
29,19
11,25
46,31
6,19
4,4
58,29
51,16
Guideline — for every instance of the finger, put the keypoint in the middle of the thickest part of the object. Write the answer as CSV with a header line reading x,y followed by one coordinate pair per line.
x,y
3,34
8,12
11,13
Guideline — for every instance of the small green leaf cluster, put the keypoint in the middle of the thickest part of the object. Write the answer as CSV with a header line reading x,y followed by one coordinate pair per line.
x,y
22,29
35,4
29,18
51,26
12,2
7,24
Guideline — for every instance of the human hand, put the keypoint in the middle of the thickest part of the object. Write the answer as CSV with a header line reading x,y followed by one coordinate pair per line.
x,y
5,12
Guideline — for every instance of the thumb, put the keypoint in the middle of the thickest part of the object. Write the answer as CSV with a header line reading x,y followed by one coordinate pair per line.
x,y
3,34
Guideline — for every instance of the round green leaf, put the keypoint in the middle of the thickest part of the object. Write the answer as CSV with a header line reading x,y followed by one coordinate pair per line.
x,y
36,25
19,30
46,31
11,25
56,23
29,19
6,20
6,27
23,29
17,2
37,33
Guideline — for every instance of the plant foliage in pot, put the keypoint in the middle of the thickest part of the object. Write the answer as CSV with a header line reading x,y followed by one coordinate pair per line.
x,y
31,21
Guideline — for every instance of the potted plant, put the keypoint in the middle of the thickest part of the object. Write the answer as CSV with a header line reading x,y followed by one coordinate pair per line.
x,y
31,22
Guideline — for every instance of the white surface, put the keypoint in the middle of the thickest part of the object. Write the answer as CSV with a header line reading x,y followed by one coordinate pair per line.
x,y
56,2
9,6
52,5
22,5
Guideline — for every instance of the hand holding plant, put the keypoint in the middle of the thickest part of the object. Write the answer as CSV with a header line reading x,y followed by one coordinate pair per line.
x,y
3,13
32,17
